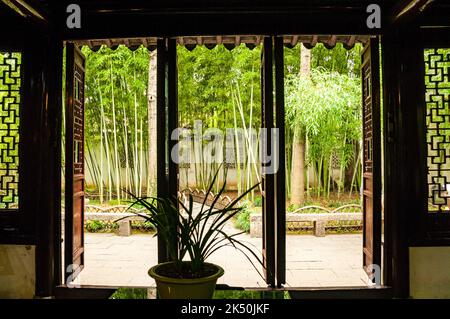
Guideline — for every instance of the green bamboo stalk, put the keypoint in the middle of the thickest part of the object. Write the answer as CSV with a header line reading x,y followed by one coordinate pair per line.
x,y
248,146
355,172
108,161
252,194
140,162
135,156
246,134
203,170
101,161
237,147
88,162
341,184
245,148
147,163
106,146
127,165
130,144
116,151
341,173
307,167
319,178
92,164
194,146
330,172
287,162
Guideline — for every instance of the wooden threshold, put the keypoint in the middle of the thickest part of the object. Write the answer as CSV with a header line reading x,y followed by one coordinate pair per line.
x,y
84,292
359,292
341,293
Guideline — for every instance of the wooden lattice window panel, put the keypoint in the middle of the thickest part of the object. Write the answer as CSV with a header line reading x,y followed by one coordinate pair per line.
x,y
10,99
367,120
78,121
437,93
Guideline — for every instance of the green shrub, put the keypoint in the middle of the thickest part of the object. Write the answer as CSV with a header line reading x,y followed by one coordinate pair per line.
x,y
94,226
293,207
249,294
236,294
144,226
242,220
337,203
258,201
130,293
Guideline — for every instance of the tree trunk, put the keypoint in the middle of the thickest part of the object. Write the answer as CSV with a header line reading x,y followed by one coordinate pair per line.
x,y
305,61
151,111
299,142
298,170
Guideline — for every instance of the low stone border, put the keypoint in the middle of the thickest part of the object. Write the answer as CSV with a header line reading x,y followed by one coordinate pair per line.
x,y
199,196
319,221
112,213
124,224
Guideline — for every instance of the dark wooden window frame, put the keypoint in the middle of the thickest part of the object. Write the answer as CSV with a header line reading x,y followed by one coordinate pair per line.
x,y
395,248
74,170
268,180
427,229
217,22
50,212
167,121
18,225
280,176
39,146
167,174
273,185
11,220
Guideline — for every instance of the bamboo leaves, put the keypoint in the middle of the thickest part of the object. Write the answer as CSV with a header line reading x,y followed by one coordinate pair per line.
x,y
117,135
328,108
217,87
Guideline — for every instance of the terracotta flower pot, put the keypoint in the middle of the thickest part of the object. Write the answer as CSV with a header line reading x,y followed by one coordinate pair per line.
x,y
180,288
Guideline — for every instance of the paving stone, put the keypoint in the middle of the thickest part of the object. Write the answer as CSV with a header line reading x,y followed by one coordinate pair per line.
x,y
312,261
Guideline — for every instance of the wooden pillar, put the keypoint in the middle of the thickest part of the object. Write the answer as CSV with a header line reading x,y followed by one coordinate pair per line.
x,y
404,150
161,127
48,114
280,175
268,178
167,121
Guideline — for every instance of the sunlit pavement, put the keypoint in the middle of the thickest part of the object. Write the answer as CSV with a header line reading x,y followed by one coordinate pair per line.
x,y
330,261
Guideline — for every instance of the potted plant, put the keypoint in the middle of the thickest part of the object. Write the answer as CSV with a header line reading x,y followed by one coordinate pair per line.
x,y
192,235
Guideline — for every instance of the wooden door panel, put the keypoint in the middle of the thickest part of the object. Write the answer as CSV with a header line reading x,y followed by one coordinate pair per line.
x,y
368,228
167,122
74,170
273,180
268,178
371,192
280,175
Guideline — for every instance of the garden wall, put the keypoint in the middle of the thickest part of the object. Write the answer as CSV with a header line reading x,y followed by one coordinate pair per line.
x,y
187,173
17,271
429,272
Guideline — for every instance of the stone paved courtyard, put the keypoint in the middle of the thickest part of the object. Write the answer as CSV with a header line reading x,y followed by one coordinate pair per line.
x,y
334,260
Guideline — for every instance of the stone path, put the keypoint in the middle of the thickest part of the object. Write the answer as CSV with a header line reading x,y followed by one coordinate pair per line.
x,y
330,261
334,260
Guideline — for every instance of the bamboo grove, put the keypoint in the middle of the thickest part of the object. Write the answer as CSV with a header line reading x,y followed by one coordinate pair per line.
x,y
221,89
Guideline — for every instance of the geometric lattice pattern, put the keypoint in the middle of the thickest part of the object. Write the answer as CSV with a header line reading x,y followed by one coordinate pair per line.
x,y
78,121
10,81
437,87
367,119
